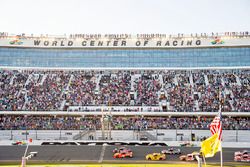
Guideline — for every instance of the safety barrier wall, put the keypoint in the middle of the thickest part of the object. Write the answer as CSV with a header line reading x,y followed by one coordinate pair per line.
x,y
124,135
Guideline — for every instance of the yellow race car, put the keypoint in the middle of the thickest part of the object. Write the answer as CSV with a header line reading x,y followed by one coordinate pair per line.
x,y
156,157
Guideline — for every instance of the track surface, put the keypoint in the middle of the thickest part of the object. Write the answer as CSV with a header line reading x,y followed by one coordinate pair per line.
x,y
99,154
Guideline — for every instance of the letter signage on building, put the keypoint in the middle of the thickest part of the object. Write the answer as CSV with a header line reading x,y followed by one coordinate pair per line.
x,y
122,42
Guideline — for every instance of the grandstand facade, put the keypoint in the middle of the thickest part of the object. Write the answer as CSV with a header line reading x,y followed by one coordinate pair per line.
x,y
188,78
126,51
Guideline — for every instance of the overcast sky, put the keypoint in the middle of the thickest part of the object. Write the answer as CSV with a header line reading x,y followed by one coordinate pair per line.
x,y
124,16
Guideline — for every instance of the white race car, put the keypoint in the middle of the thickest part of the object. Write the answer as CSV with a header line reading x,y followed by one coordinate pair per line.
x,y
171,151
242,156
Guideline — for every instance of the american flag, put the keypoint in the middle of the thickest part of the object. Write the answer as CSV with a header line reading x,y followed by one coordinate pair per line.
x,y
216,126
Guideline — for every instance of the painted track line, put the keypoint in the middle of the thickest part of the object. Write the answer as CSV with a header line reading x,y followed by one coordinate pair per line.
x,y
102,154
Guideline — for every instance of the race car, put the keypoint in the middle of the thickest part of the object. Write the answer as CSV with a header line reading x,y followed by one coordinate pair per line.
x,y
242,156
189,157
171,151
19,143
186,144
123,154
156,156
121,149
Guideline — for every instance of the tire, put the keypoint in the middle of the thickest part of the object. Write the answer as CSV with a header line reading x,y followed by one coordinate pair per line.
x,y
183,159
149,158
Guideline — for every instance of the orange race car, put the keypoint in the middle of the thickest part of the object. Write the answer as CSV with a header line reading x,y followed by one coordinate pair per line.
x,y
123,154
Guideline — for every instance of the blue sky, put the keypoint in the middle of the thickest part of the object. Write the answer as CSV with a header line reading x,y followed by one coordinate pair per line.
x,y
124,16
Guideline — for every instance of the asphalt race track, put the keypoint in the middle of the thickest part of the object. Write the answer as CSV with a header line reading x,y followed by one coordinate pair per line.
x,y
99,154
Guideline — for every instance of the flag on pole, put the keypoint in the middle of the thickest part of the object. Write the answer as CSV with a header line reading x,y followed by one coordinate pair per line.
x,y
216,126
213,144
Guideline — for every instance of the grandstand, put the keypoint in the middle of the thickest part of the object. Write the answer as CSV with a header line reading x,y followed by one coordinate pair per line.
x,y
126,90
142,82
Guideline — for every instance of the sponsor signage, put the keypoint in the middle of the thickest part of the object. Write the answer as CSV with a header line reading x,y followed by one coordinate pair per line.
x,y
126,42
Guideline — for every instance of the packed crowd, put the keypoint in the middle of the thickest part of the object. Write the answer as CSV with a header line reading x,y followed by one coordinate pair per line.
x,y
147,87
81,90
178,90
114,89
117,123
47,95
12,90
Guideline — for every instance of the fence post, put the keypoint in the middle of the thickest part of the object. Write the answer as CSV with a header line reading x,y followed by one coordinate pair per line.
x,y
26,135
176,134
11,135
60,137
236,134
191,134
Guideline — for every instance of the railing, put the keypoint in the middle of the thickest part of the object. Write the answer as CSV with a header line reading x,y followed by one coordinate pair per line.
x,y
122,113
127,36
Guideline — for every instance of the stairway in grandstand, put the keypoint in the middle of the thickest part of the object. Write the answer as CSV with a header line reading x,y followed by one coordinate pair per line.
x,y
43,78
98,78
148,135
237,80
161,79
206,80
175,80
222,81
65,92
83,135
30,78
191,80
12,79
134,78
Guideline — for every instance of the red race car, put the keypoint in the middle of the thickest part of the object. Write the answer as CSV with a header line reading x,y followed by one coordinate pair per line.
x,y
242,156
123,154
19,143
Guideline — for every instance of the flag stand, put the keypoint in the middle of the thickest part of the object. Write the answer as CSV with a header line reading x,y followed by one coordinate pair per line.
x,y
220,107
221,158
204,159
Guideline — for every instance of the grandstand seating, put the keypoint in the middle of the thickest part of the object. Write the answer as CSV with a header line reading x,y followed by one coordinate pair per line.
x,y
178,90
21,122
